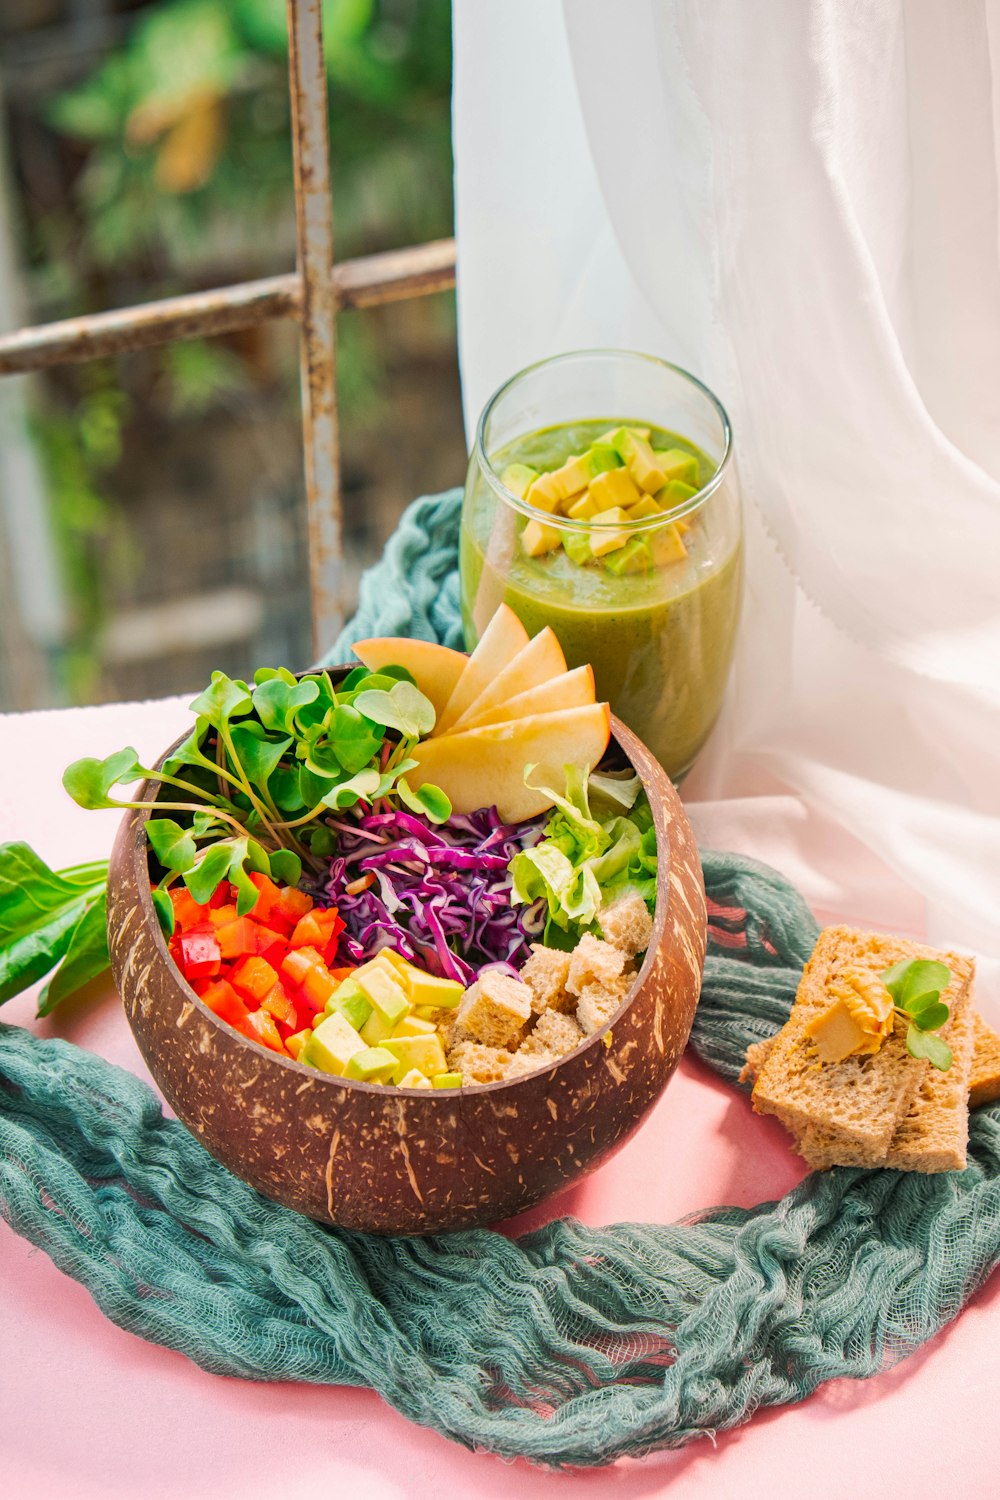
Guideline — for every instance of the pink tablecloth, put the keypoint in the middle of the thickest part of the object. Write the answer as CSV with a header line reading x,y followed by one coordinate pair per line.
x,y
87,1410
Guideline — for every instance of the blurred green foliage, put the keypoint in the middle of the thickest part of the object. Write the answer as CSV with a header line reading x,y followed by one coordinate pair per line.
x,y
183,177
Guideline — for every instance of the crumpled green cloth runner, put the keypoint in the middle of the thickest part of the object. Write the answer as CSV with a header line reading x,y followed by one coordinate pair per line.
x,y
571,1346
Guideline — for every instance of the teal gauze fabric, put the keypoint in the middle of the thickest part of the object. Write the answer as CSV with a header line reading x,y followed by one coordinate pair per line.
x,y
570,1346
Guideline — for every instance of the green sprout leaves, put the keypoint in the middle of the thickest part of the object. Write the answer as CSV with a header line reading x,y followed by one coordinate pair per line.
x,y
916,986
89,781
403,707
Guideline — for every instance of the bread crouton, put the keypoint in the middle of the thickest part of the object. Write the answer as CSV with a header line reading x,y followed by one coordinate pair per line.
x,y
593,962
626,924
529,1062
554,1033
984,1079
495,1009
478,1063
598,1003
546,973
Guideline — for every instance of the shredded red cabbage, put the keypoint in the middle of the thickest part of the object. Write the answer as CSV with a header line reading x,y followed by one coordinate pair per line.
x,y
440,894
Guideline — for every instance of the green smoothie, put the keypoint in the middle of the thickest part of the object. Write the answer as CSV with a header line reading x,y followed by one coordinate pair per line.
x,y
659,639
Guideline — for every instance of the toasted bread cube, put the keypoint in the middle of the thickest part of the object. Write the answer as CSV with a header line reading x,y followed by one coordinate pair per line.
x,y
593,962
546,973
478,1063
529,1062
626,924
495,1009
554,1033
598,1003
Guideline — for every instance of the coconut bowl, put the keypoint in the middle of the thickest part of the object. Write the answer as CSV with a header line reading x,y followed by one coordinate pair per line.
x,y
410,1161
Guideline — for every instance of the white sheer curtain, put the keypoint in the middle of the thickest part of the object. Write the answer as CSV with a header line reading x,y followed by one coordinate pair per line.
x,y
797,200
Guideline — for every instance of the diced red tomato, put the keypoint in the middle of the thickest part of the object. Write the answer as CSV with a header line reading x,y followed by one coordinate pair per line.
x,y
187,912
221,998
280,1006
198,954
259,1026
294,903
253,977
237,937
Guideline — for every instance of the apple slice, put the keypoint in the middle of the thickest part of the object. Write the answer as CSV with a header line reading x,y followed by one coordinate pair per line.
x,y
435,669
569,690
539,661
485,766
499,643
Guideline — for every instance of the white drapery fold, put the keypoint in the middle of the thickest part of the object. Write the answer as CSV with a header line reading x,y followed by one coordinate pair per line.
x,y
798,201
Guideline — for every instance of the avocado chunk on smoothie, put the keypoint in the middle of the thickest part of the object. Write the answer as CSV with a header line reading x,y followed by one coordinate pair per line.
x,y
652,606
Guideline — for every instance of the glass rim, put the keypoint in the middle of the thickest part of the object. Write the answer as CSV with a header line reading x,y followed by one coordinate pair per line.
x,y
648,523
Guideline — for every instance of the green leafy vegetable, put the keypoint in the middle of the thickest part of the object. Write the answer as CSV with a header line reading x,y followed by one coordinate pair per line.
x,y
48,916
427,799
916,986
584,863
261,770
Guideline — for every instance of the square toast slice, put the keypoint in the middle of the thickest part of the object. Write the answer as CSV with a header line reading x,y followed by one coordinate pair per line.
x,y
860,1100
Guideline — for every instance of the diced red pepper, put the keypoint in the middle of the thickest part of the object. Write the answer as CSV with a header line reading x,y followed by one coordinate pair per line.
x,y
317,929
221,998
220,896
318,986
271,945
279,1004
253,977
187,912
268,895
237,937
296,964
259,1026
342,973
294,903
199,955
221,916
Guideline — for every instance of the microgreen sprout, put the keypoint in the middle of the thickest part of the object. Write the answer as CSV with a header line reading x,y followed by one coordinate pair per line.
x,y
916,986
262,769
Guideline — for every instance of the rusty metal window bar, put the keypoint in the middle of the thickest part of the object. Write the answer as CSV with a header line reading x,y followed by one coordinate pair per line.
x,y
313,295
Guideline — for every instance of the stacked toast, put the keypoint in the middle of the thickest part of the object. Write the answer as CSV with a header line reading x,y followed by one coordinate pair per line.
x,y
888,1109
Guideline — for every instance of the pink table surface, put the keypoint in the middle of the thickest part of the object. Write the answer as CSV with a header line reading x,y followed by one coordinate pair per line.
x,y
87,1410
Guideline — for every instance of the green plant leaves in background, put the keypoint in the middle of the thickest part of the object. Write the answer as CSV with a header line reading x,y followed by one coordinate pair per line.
x,y
47,916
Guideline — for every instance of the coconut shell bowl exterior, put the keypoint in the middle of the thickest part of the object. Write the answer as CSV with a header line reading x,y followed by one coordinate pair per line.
x,y
409,1161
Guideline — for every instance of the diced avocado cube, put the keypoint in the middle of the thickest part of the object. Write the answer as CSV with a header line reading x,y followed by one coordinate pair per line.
x,y
414,1079
376,1029
332,1045
573,476
431,990
677,463
666,546
537,539
609,437
673,494
576,545
518,478
372,1065
603,536
425,1012
297,1041
348,999
641,461
423,1052
447,1081
414,1026
616,487
634,557
601,457
583,507
385,993
544,493
645,510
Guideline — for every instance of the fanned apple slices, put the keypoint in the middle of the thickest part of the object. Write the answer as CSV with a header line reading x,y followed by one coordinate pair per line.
x,y
511,704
